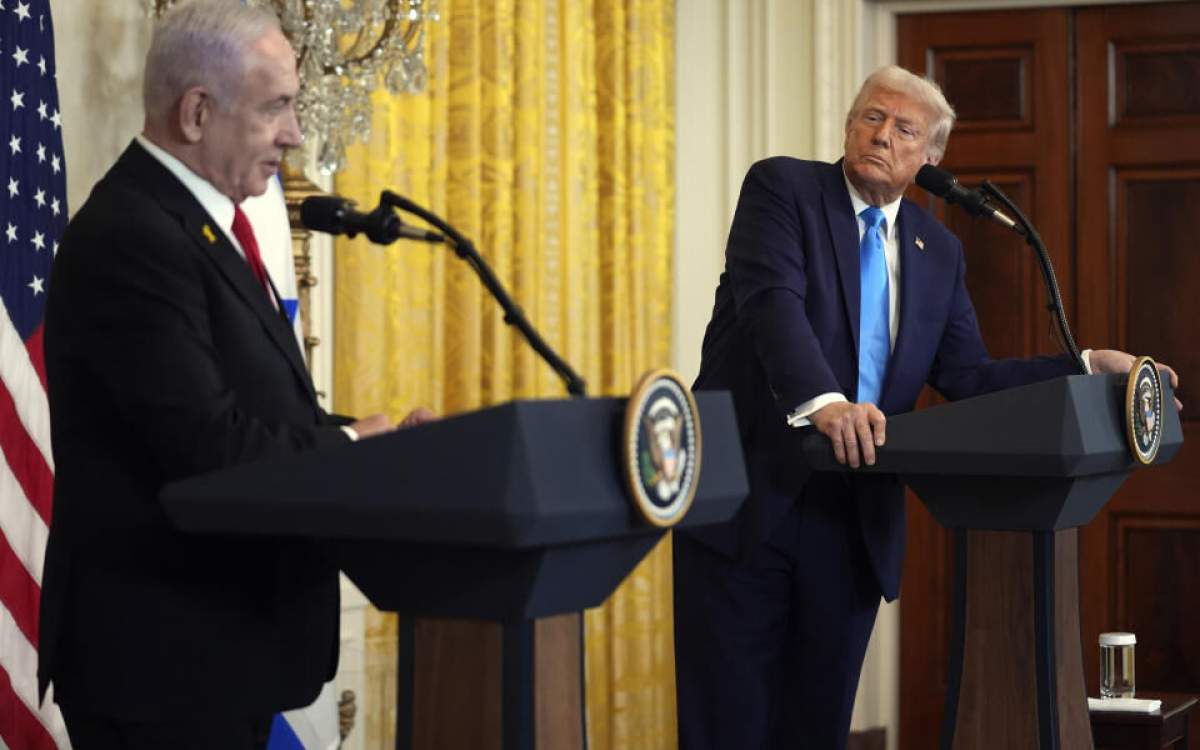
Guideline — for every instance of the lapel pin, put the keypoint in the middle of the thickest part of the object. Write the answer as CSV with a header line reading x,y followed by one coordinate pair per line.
x,y
208,234
920,243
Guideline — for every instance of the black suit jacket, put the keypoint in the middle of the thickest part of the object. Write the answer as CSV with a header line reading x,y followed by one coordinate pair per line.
x,y
165,359
785,330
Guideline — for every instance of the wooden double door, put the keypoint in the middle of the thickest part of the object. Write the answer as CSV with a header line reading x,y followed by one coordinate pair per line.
x,y
1089,118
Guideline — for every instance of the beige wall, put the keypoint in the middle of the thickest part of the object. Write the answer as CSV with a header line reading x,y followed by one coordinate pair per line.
x,y
99,46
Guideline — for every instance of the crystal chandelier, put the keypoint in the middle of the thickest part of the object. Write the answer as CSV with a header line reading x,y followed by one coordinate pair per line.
x,y
343,48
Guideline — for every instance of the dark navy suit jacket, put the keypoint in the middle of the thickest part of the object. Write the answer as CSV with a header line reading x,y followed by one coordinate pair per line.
x,y
785,329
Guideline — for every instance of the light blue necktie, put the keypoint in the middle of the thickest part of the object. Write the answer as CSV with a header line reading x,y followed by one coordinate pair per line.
x,y
874,334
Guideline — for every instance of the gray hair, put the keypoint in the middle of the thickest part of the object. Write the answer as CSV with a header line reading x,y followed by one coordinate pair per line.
x,y
925,91
200,43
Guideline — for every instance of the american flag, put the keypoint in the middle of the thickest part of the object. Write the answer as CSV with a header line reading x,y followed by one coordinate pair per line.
x,y
33,214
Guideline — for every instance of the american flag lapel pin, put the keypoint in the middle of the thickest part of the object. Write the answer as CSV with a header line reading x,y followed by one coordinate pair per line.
x,y
208,234
920,243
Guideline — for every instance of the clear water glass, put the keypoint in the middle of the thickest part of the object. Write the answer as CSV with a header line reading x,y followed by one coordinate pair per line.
x,y
1117,665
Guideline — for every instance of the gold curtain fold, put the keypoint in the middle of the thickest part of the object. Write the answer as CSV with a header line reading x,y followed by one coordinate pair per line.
x,y
546,135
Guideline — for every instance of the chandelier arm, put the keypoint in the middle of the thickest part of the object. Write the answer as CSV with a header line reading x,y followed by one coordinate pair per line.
x,y
388,27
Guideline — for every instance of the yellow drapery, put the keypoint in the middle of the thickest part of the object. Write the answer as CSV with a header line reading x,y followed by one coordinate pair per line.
x,y
546,135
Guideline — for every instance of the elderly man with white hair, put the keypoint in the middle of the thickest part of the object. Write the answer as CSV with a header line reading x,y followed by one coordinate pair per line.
x,y
840,300
167,355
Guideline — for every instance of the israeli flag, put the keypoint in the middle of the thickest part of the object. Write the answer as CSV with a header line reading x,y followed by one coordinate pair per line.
x,y
314,727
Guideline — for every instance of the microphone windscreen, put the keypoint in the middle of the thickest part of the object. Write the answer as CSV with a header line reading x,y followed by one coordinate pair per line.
x,y
937,181
323,213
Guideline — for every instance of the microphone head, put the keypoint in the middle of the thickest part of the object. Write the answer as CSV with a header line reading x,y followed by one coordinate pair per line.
x,y
324,213
936,181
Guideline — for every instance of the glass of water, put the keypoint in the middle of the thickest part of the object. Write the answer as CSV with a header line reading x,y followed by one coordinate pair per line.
x,y
1116,665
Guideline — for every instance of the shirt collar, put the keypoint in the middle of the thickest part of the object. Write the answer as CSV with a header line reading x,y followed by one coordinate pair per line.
x,y
218,205
890,210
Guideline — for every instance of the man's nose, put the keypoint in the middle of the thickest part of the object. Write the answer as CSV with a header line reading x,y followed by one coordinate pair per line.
x,y
882,135
290,135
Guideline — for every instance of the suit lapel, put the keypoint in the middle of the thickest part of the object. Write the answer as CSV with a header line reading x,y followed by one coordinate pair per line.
x,y
843,229
912,270
237,272
216,247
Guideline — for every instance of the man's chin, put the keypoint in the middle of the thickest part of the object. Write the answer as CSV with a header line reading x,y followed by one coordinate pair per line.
x,y
868,178
870,172
258,187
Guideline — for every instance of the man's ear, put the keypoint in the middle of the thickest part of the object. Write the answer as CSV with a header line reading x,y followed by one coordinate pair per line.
x,y
194,110
932,160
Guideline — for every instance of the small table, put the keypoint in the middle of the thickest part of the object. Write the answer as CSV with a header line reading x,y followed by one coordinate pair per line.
x,y
1121,730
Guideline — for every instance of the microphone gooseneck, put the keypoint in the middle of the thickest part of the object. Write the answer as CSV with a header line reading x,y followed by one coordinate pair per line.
x,y
944,185
513,315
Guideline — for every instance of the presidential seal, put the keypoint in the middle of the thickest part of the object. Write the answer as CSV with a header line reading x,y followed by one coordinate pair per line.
x,y
661,447
1144,410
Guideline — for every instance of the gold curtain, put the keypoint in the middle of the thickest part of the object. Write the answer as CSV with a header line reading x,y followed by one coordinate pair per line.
x,y
546,135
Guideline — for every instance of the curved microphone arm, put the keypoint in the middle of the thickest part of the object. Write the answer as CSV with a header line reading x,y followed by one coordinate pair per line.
x,y
513,315
1034,240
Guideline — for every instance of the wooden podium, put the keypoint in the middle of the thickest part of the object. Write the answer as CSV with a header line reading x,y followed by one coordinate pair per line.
x,y
489,533
1014,474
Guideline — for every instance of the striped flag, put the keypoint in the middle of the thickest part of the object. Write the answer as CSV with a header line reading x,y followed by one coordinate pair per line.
x,y
33,214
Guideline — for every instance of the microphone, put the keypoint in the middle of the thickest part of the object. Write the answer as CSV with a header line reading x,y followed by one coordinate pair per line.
x,y
333,214
945,186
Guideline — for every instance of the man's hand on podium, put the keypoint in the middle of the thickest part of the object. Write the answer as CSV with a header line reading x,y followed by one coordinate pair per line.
x,y
853,429
419,415
376,424
1113,361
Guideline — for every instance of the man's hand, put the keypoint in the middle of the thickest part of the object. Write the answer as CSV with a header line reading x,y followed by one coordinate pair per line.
x,y
376,424
1113,361
419,415
854,429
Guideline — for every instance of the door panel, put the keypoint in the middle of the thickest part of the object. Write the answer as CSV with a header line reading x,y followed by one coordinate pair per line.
x,y
1138,203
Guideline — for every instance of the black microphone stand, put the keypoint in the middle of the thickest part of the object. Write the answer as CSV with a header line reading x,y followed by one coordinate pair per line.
x,y
1034,240
513,315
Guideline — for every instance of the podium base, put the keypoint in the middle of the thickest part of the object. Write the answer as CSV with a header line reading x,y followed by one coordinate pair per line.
x,y
1016,669
494,686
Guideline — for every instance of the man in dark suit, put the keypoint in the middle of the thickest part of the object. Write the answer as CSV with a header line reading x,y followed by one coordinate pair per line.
x,y
839,301
168,356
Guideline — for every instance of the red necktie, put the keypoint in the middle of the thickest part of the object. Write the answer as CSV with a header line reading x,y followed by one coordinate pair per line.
x,y
245,235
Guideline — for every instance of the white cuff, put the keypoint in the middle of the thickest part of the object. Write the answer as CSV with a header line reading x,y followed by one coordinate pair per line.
x,y
799,416
350,433
1086,356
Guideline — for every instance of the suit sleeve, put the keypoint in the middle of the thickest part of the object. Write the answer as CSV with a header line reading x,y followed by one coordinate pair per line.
x,y
143,334
765,260
962,367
